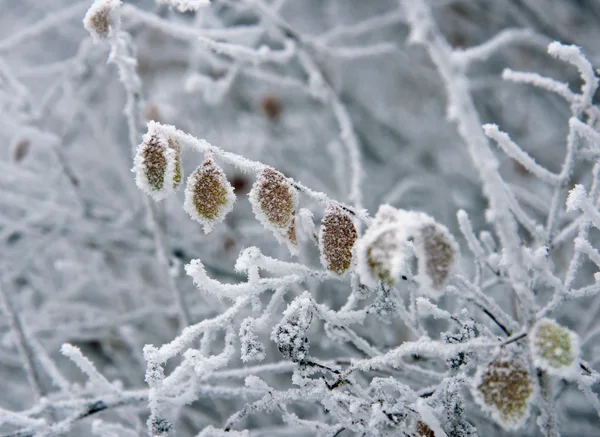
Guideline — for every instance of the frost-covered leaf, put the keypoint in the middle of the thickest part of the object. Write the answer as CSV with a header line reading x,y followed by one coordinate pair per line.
x,y
336,240
437,253
101,17
504,388
274,202
395,237
290,333
157,164
383,252
209,196
553,347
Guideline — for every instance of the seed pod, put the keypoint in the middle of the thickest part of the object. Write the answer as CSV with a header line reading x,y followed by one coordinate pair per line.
x,y
101,17
504,388
336,240
208,194
437,252
157,165
274,201
554,348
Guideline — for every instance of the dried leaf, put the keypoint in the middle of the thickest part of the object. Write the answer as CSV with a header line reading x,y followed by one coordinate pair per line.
x,y
504,388
274,201
336,240
157,165
209,196
438,253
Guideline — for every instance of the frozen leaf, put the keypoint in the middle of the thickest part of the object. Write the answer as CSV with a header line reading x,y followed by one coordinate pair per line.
x,y
274,201
553,347
290,333
101,17
437,252
504,388
336,240
383,251
395,237
157,165
208,194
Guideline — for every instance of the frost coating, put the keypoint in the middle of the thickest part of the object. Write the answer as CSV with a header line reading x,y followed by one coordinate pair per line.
x,y
554,348
209,196
504,388
274,202
383,251
394,237
157,164
251,347
290,333
336,240
186,5
101,18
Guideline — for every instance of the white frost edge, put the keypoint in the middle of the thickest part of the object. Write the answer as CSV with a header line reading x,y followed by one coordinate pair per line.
x,y
139,166
570,371
492,410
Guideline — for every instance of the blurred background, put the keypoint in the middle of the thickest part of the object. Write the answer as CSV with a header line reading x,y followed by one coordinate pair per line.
x,y
77,253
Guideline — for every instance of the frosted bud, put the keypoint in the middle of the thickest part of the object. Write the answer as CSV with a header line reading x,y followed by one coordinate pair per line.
x,y
504,388
274,201
554,348
336,240
290,333
157,164
209,196
101,18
